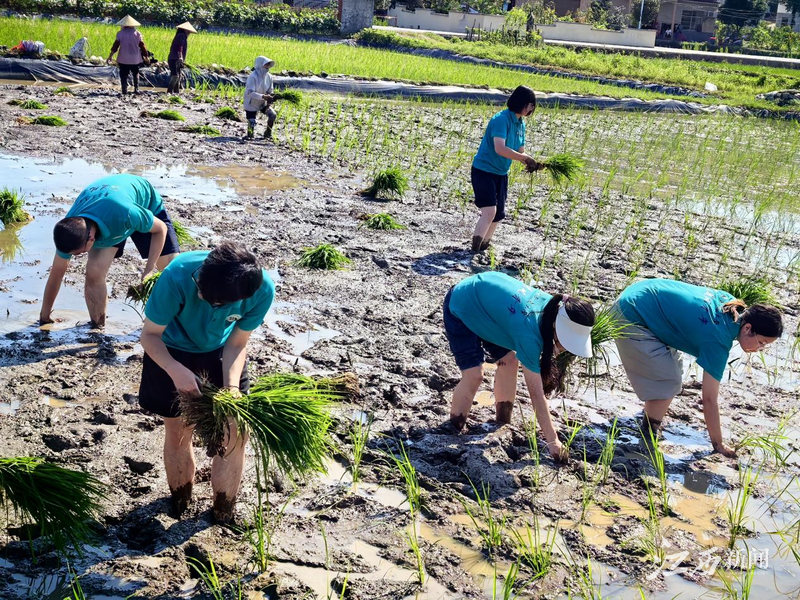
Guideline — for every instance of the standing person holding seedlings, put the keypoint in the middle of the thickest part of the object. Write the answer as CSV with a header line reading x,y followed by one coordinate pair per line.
x,y
258,97
668,316
103,217
502,143
177,56
198,319
495,314
132,52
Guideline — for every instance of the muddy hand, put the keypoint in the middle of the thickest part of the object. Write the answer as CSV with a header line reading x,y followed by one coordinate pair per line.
x,y
532,166
558,451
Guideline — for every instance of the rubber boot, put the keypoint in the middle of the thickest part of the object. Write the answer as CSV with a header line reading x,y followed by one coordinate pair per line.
x,y
251,128
476,243
136,84
172,88
268,132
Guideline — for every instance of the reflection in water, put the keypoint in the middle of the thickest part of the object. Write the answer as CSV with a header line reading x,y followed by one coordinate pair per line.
x,y
11,246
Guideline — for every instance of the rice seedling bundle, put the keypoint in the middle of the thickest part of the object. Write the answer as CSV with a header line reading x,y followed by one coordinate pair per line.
x,y
201,129
63,90
50,121
184,237
751,290
563,168
175,100
226,112
11,211
28,104
139,294
382,222
324,257
169,115
391,182
291,96
58,501
286,415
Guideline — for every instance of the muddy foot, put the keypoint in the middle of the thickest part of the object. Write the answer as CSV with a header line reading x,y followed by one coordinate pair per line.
x,y
503,411
476,243
458,422
181,498
223,508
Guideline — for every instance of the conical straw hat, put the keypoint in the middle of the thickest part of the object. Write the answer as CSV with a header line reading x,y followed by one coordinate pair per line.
x,y
129,21
187,26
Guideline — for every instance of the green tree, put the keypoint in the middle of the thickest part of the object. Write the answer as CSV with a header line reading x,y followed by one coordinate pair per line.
x,y
741,13
649,14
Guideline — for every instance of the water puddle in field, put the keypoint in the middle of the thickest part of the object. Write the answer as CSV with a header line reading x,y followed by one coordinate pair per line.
x,y
58,586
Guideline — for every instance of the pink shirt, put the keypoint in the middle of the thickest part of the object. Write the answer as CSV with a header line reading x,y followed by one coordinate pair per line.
x,y
129,53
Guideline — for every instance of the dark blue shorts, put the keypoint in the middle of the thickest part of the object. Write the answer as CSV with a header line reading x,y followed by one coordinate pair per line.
x,y
490,190
142,240
468,349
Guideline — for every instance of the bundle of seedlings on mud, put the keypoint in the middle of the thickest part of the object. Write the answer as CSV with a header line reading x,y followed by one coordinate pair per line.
x,y
286,415
28,104
750,290
182,233
381,222
202,130
138,294
325,257
291,96
389,183
226,112
11,211
175,100
563,168
166,115
54,502
49,121
63,91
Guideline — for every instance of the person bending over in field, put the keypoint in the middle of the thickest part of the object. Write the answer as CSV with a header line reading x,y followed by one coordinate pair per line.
x,y
258,98
501,144
665,317
103,217
199,317
495,314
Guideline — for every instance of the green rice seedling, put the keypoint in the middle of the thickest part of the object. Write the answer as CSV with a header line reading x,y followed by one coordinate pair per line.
x,y
169,115
11,207
63,91
208,575
607,454
409,474
185,238
175,100
490,527
510,590
286,416
138,294
359,436
751,290
563,168
773,445
412,539
587,588
291,96
389,183
228,113
651,443
202,130
49,121
533,445
573,429
736,511
261,530
737,588
57,502
535,550
28,104
76,591
324,257
382,222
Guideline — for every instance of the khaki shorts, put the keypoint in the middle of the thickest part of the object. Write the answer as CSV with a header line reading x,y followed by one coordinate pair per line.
x,y
654,369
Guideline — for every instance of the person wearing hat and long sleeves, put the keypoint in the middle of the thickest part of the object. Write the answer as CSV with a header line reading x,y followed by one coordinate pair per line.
x,y
258,96
177,56
132,52
497,315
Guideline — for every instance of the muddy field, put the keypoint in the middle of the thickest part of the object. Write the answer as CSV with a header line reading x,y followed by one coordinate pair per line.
x,y
70,393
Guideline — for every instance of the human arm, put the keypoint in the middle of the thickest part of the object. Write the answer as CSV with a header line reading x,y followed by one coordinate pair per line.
x,y
185,381
711,415
158,235
536,390
234,355
114,48
51,288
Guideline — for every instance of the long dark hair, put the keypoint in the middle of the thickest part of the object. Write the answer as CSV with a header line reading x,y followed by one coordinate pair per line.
x,y
764,319
520,98
579,311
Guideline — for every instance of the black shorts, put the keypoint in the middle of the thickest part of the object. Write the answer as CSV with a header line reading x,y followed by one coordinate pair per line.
x,y
157,392
142,240
267,110
490,190
468,349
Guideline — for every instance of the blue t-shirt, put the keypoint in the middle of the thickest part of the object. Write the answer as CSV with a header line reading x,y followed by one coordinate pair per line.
x,y
504,311
192,323
686,317
511,128
120,205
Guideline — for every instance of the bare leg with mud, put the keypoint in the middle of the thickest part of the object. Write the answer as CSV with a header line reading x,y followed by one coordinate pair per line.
x,y
505,387
179,463
487,239
226,474
483,226
464,394
654,413
95,290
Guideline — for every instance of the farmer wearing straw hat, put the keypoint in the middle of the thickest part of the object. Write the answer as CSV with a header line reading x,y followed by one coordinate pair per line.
x,y
198,319
105,214
258,96
132,52
177,56
664,317
495,314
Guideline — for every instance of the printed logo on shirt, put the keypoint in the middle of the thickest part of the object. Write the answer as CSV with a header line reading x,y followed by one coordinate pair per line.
x,y
233,318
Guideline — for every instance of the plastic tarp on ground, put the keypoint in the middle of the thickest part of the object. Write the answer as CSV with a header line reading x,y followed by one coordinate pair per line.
x,y
66,72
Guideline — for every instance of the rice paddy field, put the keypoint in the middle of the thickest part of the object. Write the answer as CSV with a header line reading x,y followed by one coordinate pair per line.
x,y
406,508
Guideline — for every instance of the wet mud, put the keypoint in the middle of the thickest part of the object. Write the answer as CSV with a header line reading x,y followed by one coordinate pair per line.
x,y
69,392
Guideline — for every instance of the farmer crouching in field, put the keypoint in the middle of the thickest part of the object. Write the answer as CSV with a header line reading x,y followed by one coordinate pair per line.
x,y
100,221
495,314
132,53
258,97
177,56
668,316
198,319
502,143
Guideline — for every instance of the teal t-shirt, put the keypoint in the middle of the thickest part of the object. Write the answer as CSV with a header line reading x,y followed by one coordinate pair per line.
x,y
511,128
504,311
120,205
192,324
686,317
